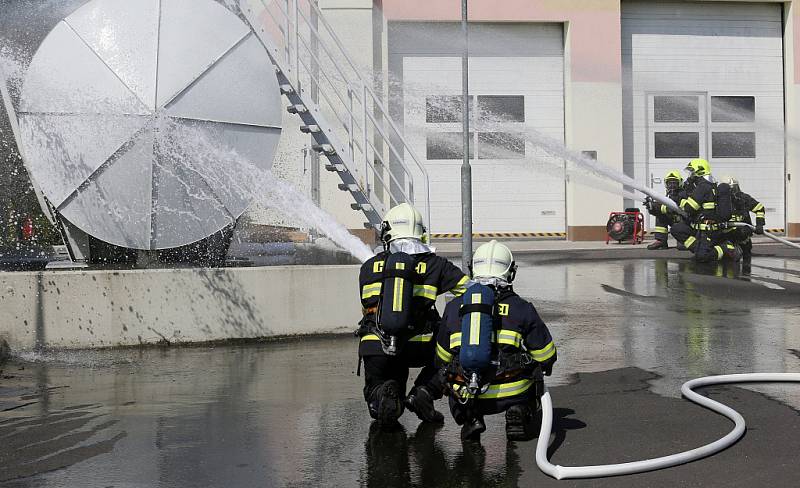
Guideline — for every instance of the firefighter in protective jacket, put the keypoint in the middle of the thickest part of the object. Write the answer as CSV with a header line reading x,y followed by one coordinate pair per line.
x,y
518,345
398,290
666,217
743,204
708,208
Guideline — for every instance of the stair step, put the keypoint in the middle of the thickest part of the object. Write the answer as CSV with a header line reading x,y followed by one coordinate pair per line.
x,y
309,129
335,167
366,207
324,148
297,109
345,187
286,89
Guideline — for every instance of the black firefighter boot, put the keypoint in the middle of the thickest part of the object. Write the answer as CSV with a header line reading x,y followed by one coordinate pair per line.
x,y
521,422
420,401
658,244
386,406
472,429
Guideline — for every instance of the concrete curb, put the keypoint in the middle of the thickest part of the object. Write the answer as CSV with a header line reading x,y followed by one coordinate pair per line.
x,y
90,309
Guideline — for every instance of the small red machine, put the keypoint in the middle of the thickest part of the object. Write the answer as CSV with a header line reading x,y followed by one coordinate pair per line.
x,y
625,226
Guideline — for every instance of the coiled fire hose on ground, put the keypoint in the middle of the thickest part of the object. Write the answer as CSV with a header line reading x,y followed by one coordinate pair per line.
x,y
598,471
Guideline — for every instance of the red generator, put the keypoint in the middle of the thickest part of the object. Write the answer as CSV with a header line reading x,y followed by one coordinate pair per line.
x,y
625,226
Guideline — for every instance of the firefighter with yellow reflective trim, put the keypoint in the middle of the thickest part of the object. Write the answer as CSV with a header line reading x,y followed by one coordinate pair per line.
x,y
398,289
521,351
743,205
666,217
708,208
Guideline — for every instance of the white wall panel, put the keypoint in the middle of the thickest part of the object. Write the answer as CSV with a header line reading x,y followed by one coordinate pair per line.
x,y
709,49
509,195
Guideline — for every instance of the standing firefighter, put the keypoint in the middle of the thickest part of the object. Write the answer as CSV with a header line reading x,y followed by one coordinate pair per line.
x,y
398,290
743,204
495,349
665,217
708,207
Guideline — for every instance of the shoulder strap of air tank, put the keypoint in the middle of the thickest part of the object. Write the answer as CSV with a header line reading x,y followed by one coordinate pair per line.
x,y
476,307
406,274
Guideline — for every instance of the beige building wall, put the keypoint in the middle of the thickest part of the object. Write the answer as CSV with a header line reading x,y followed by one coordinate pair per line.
x,y
352,22
791,49
593,113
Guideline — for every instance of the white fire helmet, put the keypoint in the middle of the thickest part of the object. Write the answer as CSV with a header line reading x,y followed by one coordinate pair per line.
x,y
403,221
493,260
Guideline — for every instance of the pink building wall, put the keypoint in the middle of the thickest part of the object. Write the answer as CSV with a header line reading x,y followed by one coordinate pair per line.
x,y
594,26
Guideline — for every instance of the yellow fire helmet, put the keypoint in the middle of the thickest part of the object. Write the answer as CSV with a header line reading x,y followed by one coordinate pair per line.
x,y
403,221
674,175
699,167
493,260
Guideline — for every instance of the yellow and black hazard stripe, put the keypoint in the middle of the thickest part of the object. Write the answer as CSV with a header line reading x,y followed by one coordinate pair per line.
x,y
771,231
500,235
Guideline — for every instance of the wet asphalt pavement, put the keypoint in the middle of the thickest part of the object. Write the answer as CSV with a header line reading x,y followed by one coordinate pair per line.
x,y
290,413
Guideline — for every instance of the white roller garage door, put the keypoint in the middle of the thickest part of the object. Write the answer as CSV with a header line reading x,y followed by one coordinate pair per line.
x,y
515,188
706,80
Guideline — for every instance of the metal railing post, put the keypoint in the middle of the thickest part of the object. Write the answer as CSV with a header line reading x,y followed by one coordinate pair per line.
x,y
351,119
296,21
287,36
364,134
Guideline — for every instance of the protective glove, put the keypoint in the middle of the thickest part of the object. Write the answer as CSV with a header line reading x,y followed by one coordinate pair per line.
x,y
547,368
366,325
759,229
648,204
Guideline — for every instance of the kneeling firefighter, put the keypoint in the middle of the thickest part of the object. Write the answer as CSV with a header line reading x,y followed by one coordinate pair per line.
x,y
495,350
398,290
708,207
666,217
743,204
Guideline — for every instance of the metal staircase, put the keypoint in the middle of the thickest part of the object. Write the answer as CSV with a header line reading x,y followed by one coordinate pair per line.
x,y
349,123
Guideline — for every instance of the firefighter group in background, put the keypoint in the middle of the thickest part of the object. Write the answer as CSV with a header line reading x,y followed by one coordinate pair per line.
x,y
709,224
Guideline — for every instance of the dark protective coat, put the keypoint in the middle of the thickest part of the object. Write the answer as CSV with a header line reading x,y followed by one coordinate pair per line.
x,y
701,203
743,204
666,217
434,276
521,343
702,234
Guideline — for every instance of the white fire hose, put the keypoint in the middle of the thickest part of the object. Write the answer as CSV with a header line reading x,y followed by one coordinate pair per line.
x,y
597,471
768,234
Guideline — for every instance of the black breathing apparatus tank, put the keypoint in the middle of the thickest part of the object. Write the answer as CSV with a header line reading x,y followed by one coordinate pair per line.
x,y
397,292
724,202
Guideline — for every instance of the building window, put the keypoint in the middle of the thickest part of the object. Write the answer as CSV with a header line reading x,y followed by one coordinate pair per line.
x,y
676,109
500,145
502,108
733,109
677,144
444,108
447,145
733,144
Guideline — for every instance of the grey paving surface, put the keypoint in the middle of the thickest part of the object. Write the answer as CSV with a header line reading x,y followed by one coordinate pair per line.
x,y
290,413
